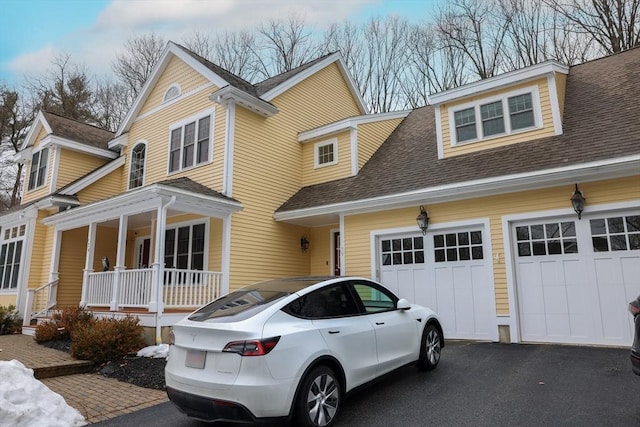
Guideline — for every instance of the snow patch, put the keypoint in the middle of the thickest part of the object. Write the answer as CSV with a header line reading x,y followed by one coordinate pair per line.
x,y
27,402
160,351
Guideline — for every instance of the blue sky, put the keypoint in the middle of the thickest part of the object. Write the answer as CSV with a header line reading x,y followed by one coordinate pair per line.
x,y
92,31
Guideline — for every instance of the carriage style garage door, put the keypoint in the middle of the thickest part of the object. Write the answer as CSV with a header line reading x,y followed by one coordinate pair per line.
x,y
447,271
576,277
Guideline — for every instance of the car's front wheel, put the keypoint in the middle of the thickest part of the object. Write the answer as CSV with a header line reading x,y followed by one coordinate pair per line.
x,y
430,348
319,398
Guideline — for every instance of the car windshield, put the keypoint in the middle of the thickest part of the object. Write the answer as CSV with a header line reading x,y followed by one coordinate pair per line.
x,y
238,305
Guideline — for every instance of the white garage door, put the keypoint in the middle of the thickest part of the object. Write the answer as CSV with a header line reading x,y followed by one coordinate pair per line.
x,y
448,271
576,277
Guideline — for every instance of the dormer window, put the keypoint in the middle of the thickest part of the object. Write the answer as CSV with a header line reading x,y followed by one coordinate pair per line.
x,y
485,118
38,171
172,92
326,153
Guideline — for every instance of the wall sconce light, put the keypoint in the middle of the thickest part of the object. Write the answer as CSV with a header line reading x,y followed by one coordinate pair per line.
x,y
423,220
577,201
304,243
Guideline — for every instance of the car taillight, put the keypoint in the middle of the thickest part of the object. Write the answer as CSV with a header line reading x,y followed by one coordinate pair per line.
x,y
251,347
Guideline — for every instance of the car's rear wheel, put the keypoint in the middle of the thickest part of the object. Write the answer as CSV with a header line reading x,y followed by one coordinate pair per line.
x,y
430,348
319,398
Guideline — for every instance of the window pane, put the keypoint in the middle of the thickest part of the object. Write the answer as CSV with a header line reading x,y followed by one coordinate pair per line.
x,y
616,225
618,243
464,254
451,240
463,238
600,244
633,223
522,120
537,232
452,254
408,258
386,259
597,226
568,229
203,139
42,169
553,230
539,248
174,152
634,241
418,242
407,243
386,245
476,252
419,257
476,237
521,111
397,258
570,246
553,247
524,249
439,255
438,241
396,244
522,233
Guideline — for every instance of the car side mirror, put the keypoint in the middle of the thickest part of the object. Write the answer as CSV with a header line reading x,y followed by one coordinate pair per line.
x,y
403,304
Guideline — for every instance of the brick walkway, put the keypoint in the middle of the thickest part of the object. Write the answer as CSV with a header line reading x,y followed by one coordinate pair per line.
x,y
97,398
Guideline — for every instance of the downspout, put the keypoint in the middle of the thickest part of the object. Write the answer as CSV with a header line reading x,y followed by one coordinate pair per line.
x,y
162,223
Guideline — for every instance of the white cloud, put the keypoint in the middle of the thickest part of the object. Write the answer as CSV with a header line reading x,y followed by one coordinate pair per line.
x,y
96,46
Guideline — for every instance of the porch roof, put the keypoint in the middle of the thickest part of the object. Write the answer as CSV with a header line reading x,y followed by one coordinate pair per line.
x,y
179,195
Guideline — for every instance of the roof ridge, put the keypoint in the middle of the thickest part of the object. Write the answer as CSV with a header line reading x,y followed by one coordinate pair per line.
x,y
76,121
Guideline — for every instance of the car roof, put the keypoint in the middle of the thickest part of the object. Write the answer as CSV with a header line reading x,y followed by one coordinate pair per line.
x,y
288,285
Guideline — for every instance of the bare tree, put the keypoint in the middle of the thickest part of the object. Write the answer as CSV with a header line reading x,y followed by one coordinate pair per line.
x,y
613,24
15,118
110,104
284,45
133,67
478,30
64,89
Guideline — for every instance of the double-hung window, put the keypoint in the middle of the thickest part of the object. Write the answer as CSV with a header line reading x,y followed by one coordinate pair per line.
x,y
10,257
500,116
190,144
38,171
184,247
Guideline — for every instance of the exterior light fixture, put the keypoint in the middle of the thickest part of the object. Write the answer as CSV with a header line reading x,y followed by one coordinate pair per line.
x,y
423,220
304,243
577,201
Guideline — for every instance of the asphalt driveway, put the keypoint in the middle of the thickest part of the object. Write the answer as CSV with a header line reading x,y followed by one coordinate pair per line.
x,y
484,384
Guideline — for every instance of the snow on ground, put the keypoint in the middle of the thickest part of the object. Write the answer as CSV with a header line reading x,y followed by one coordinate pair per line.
x,y
160,351
26,402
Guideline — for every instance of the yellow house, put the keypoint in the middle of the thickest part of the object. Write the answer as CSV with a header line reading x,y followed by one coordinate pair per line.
x,y
213,182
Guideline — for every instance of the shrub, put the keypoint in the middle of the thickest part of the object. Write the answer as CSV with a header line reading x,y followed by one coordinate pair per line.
x,y
47,331
106,339
10,321
63,322
68,319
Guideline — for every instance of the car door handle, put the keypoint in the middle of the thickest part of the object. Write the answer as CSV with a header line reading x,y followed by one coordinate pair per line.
x,y
379,323
333,332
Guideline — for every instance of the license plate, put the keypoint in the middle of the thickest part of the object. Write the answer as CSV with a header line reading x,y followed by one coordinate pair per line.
x,y
195,359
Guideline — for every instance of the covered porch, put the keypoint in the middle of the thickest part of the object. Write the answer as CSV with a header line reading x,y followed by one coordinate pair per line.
x,y
162,249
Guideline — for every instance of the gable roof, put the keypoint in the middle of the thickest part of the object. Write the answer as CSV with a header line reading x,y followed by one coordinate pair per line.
x,y
67,128
601,139
263,91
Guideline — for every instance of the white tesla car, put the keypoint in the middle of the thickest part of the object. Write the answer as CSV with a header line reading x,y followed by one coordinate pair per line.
x,y
291,349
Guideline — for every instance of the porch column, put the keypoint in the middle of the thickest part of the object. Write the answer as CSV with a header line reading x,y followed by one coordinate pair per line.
x,y
226,254
117,270
88,262
156,304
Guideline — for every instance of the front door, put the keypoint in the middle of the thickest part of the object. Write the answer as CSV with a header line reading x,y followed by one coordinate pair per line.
x,y
143,248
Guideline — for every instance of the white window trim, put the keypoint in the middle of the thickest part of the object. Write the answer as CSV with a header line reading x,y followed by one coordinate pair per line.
x,y
19,237
144,166
181,124
316,157
46,170
166,92
537,115
176,226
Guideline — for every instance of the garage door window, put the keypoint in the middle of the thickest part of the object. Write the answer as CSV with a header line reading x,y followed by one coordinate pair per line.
x,y
463,246
615,234
408,250
547,239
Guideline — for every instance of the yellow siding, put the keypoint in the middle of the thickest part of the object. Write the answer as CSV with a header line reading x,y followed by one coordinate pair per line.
x,y
320,250
267,171
155,130
546,130
73,165
178,72
312,175
358,228
371,136
7,300
73,252
107,186
36,193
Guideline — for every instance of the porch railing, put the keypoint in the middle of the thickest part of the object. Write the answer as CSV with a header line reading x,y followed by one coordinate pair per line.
x,y
181,288
40,300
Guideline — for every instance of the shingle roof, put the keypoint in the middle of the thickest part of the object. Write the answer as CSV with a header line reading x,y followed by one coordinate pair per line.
x,y
601,121
268,84
188,184
77,131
